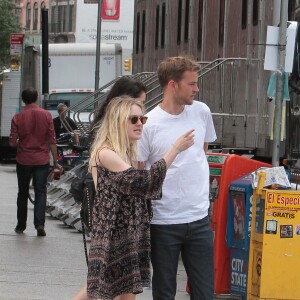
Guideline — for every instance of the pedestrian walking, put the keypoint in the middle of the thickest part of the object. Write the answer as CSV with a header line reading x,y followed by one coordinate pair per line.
x,y
32,132
180,222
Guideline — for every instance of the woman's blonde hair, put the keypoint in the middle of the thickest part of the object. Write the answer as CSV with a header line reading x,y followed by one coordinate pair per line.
x,y
113,133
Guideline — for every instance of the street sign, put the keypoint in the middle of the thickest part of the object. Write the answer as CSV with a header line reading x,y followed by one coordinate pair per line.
x,y
272,48
16,44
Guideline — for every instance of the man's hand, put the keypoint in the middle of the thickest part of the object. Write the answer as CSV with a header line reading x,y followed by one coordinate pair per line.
x,y
57,166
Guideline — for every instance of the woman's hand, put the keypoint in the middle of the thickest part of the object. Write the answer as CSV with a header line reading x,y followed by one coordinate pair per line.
x,y
182,143
185,141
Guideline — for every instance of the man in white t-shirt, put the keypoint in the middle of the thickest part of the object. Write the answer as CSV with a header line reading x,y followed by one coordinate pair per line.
x,y
180,221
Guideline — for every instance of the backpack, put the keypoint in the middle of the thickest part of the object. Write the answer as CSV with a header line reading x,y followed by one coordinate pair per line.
x,y
83,191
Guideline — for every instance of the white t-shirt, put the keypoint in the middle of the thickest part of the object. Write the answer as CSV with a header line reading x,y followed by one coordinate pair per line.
x,y
185,193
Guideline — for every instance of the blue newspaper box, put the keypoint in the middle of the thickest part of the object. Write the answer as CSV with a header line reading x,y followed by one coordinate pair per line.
x,y
239,261
238,232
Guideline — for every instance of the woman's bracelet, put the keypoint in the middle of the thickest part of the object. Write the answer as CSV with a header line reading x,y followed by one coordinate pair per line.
x,y
178,151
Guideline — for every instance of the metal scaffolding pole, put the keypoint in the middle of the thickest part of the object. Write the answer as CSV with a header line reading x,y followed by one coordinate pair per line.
x,y
279,84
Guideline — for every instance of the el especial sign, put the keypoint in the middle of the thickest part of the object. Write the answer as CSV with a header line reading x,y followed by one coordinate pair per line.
x,y
283,199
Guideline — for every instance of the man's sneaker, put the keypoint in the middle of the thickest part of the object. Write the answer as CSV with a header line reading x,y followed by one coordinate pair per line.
x,y
19,230
41,231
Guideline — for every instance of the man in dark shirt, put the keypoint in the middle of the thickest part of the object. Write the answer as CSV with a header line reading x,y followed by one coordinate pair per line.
x,y
67,124
32,132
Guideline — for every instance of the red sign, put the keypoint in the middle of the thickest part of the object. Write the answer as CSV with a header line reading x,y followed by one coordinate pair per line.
x,y
16,38
16,43
110,10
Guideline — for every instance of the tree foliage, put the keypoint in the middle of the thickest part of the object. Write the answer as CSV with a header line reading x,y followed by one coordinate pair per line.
x,y
9,23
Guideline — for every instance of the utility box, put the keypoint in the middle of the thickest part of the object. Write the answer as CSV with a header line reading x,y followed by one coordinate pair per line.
x,y
274,262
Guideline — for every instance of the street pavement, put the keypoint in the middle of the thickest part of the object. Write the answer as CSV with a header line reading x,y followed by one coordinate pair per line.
x,y
44,268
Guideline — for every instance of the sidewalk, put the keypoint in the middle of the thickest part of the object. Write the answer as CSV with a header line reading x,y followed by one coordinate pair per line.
x,y
44,268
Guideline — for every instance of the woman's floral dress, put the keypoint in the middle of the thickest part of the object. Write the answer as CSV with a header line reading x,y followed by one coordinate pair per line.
x,y
119,258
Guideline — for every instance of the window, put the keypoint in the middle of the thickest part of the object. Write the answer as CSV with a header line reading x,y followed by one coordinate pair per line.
x,y
221,23
244,13
61,18
71,10
179,21
255,12
17,10
156,26
74,98
35,16
28,16
143,30
43,5
291,10
53,19
137,45
187,20
163,24
200,25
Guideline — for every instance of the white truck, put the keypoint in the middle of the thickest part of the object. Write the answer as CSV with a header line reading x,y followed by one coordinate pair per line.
x,y
71,70
9,106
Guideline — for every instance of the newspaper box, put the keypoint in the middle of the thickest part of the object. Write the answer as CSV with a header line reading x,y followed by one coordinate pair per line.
x,y
274,262
240,197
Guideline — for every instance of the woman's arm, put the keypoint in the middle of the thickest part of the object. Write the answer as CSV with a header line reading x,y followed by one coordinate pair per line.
x,y
110,160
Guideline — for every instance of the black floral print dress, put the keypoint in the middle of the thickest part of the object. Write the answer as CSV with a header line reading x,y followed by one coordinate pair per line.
x,y
119,257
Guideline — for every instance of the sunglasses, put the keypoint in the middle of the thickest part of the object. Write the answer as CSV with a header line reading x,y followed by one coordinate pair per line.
x,y
134,119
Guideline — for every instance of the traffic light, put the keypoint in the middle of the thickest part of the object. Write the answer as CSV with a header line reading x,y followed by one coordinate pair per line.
x,y
127,65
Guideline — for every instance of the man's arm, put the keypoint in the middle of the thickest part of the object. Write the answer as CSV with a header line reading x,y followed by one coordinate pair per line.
x,y
52,141
13,137
74,127
205,147
53,150
76,137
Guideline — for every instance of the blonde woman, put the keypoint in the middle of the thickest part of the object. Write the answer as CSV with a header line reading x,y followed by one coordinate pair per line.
x,y
119,258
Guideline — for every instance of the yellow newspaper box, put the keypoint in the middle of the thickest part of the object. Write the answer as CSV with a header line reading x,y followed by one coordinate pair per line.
x,y
274,257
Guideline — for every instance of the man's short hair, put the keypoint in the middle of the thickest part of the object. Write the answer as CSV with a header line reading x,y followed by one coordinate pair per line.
x,y
60,107
29,95
172,68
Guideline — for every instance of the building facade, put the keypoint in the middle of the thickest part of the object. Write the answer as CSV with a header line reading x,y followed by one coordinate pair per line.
x,y
228,39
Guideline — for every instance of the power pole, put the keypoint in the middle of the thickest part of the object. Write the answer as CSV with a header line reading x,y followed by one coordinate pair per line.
x,y
279,83
98,46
